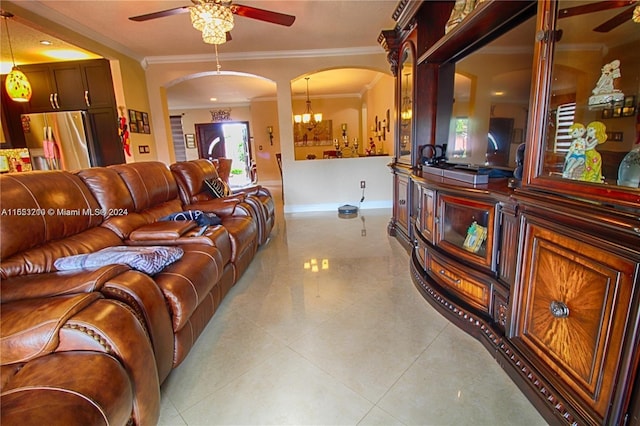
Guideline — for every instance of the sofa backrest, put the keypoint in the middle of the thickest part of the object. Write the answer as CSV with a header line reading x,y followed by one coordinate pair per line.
x,y
190,177
41,210
152,187
116,203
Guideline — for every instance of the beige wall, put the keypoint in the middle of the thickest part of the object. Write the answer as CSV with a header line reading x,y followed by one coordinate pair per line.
x,y
308,185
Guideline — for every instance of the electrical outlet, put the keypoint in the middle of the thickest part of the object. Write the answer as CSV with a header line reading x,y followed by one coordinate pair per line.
x,y
363,184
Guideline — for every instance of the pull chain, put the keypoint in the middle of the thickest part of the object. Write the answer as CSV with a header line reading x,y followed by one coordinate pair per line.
x,y
218,66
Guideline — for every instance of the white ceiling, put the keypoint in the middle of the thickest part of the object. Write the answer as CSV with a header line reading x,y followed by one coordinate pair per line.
x,y
320,26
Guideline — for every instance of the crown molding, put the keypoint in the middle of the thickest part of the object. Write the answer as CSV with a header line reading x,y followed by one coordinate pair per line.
x,y
273,54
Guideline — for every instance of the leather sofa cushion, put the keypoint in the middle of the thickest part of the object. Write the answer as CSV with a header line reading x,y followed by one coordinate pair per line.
x,y
29,328
40,259
98,392
42,207
150,183
187,282
34,286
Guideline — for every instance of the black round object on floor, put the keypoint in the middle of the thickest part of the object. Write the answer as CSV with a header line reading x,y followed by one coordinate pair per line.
x,y
347,211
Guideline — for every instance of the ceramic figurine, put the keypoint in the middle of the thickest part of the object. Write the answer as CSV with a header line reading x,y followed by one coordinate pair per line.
x,y
576,157
605,92
596,135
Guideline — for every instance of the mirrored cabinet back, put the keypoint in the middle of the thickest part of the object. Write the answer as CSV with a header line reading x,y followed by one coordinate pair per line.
x,y
517,176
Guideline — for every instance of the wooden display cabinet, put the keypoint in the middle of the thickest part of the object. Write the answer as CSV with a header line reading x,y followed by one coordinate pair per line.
x,y
553,289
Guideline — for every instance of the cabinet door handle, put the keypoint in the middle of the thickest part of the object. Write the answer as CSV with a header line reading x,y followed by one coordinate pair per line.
x,y
53,105
453,280
402,202
86,98
55,100
559,309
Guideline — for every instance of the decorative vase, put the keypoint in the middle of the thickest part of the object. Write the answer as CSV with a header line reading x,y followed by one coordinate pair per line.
x,y
629,170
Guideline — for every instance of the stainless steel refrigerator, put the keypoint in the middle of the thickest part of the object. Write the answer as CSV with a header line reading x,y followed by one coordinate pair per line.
x,y
57,140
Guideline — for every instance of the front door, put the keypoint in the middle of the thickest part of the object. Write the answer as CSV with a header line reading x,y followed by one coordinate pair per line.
x,y
227,140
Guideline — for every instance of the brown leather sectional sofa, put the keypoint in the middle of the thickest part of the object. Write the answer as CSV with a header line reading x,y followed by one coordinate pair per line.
x,y
91,346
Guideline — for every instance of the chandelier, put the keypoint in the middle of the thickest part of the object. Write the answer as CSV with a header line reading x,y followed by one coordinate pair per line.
x,y
406,112
17,84
308,118
214,18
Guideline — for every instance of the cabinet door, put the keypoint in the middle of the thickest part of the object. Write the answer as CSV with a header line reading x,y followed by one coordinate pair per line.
x,y
106,146
402,191
98,84
42,88
427,209
573,303
69,92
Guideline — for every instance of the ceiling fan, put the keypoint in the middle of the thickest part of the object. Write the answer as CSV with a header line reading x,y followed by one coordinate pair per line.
x,y
236,9
631,13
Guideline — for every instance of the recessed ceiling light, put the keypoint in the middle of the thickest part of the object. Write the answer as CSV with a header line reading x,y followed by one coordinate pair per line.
x,y
213,99
46,42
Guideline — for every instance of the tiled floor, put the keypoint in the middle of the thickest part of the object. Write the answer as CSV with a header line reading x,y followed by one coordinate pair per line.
x,y
352,344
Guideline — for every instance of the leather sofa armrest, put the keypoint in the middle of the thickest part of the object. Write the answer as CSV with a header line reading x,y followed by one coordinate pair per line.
x,y
30,328
51,284
220,206
163,230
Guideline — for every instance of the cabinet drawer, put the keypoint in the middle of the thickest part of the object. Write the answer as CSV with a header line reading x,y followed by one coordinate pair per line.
x,y
473,291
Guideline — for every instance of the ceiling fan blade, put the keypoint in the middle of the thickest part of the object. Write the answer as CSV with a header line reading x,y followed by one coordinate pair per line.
x,y
593,7
619,19
263,15
161,14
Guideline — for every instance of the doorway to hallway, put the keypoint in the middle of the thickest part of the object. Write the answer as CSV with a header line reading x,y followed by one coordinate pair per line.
x,y
227,140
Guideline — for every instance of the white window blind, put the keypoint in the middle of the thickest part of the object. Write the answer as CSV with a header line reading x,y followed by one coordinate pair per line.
x,y
565,115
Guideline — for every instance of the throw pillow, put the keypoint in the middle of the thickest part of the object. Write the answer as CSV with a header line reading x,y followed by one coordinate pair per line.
x,y
201,218
217,188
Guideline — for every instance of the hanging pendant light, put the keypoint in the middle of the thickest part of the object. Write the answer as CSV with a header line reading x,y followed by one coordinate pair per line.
x,y
308,117
17,84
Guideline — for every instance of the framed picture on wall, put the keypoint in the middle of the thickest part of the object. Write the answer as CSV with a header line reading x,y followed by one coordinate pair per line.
x,y
190,140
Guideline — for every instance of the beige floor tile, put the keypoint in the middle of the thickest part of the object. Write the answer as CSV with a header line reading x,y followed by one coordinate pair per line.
x,y
285,390
352,344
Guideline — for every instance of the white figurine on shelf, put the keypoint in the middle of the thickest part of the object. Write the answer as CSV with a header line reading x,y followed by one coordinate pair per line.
x,y
605,91
576,157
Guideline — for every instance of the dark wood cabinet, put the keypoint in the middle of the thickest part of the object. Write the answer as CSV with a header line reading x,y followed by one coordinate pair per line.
x,y
67,86
552,290
402,206
71,86
571,311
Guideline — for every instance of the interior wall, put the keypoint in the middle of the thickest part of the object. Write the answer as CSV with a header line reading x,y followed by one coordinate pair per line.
x,y
308,185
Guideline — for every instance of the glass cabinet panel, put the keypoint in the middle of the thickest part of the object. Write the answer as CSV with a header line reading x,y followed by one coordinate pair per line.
x,y
466,229
591,128
406,78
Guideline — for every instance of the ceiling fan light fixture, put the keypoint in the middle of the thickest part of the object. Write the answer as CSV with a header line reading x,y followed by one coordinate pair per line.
x,y
213,18
213,35
636,14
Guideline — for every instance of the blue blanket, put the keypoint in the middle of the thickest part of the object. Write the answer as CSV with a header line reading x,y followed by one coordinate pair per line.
x,y
149,259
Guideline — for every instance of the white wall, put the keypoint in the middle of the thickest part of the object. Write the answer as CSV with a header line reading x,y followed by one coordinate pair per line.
x,y
308,185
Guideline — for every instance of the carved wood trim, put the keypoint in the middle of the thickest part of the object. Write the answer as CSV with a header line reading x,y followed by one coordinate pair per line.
x,y
480,328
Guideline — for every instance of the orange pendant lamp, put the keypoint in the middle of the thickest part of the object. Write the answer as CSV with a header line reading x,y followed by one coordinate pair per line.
x,y
17,84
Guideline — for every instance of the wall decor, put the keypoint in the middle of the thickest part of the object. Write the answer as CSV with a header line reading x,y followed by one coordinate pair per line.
x,y
190,140
139,122
220,115
315,136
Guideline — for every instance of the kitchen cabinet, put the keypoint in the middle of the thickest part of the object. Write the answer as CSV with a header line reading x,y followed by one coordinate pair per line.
x,y
71,86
